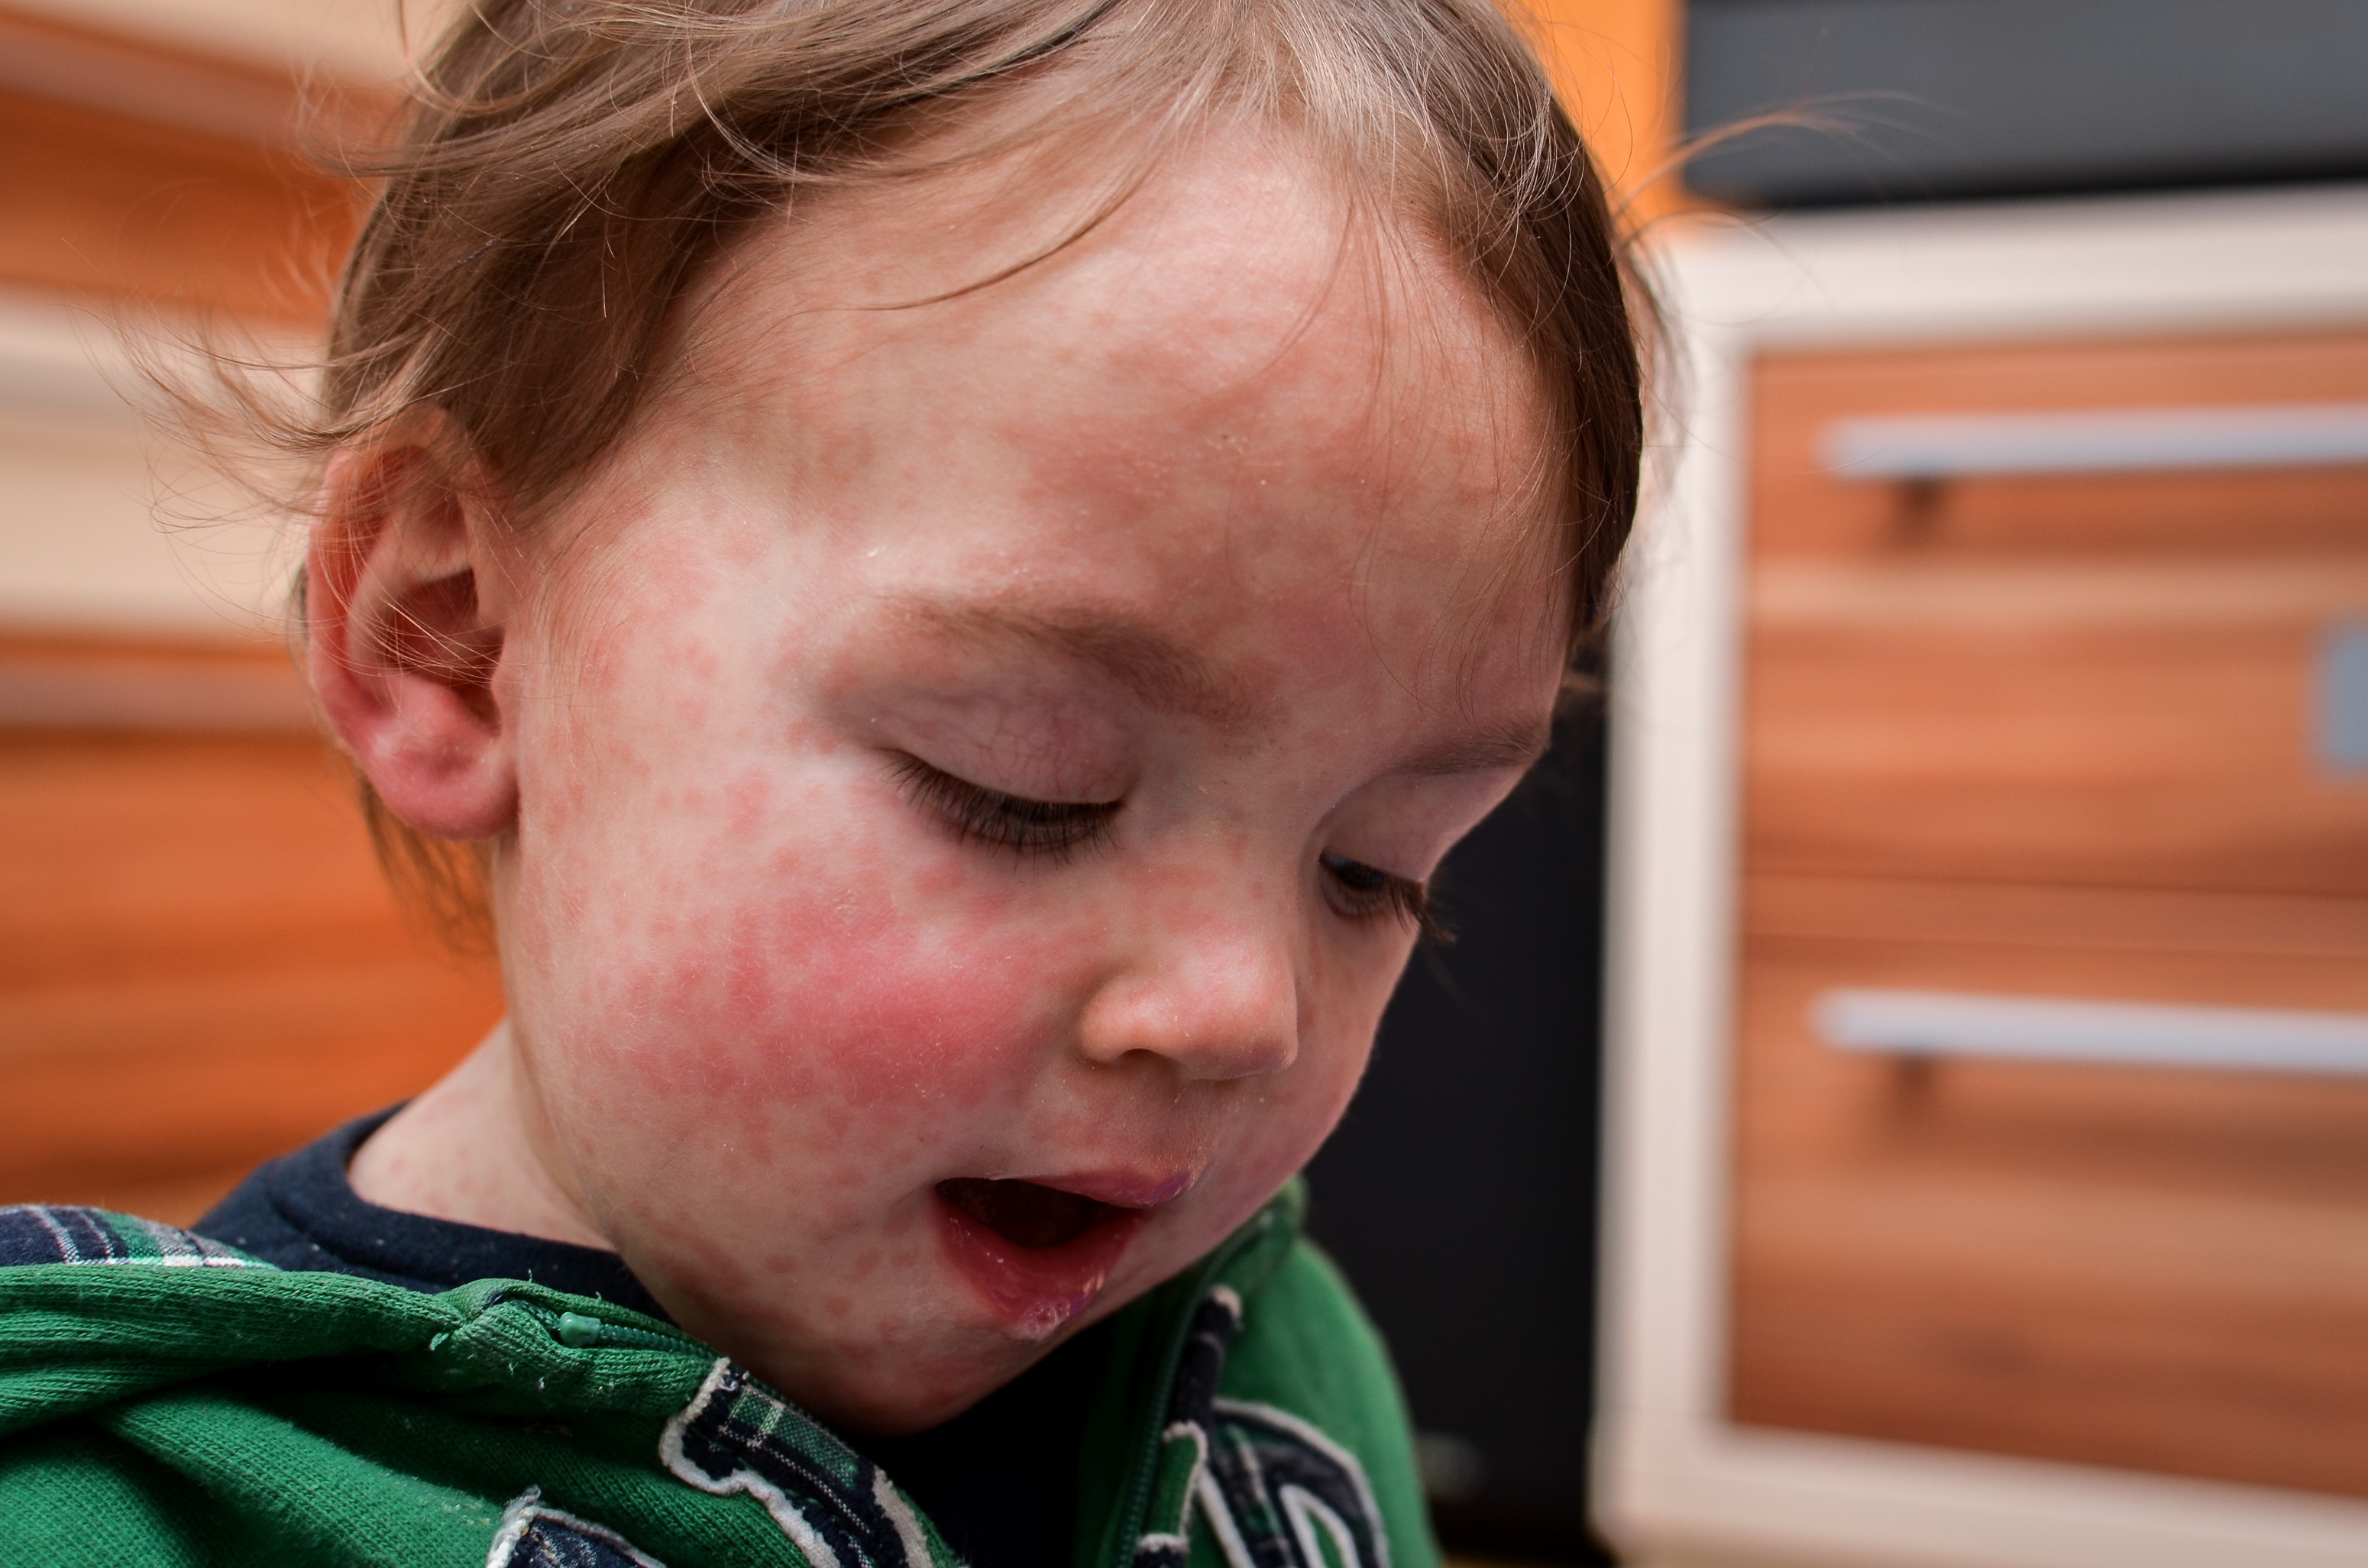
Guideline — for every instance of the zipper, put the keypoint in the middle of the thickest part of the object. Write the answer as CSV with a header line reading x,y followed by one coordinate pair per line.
x,y
1144,1467
581,1331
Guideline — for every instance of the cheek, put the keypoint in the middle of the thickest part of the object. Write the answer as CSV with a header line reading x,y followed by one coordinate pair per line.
x,y
845,1003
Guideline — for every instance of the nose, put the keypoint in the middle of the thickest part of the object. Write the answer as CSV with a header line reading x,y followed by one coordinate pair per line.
x,y
1217,994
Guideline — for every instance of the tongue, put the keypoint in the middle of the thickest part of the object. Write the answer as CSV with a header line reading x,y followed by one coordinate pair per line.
x,y
1021,1212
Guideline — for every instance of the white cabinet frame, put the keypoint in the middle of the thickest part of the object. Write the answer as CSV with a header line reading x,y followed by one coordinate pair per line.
x,y
1675,1481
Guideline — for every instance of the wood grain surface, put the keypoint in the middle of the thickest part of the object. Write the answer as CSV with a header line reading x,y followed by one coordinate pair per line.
x,y
199,963
135,172
2052,737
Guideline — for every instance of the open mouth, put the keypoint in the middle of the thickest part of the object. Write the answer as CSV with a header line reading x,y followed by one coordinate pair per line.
x,y
1038,1254
1027,1214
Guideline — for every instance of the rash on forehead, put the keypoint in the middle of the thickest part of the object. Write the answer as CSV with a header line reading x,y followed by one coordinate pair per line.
x,y
1164,675
1205,277
1242,352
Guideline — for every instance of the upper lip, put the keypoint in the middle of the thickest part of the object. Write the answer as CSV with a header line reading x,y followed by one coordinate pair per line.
x,y
1120,1189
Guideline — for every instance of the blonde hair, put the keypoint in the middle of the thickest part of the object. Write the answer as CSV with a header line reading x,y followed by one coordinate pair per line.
x,y
569,169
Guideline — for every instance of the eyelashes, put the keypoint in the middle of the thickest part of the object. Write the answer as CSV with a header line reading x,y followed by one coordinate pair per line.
x,y
1366,892
1026,827
1058,829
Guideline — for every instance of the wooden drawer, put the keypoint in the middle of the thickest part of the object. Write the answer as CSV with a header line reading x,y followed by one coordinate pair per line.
x,y
2163,1269
2154,755
1800,511
2044,738
2089,679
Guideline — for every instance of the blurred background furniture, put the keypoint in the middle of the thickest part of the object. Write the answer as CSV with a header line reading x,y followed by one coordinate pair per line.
x,y
1989,1143
199,964
1987,1016
1990,897
1923,100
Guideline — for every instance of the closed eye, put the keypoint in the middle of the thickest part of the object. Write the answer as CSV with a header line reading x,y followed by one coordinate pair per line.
x,y
981,815
1358,892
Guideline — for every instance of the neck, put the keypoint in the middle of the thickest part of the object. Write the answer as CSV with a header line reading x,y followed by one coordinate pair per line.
x,y
465,1150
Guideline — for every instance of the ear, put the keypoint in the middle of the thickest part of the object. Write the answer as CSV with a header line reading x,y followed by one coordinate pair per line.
x,y
404,614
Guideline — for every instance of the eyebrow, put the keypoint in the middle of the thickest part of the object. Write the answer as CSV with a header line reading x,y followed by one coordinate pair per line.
x,y
1165,675
1171,678
1513,744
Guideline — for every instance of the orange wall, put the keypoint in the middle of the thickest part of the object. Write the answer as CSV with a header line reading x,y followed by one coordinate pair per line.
x,y
1616,63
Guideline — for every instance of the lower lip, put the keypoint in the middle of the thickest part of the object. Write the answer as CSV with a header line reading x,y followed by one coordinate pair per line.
x,y
1034,1290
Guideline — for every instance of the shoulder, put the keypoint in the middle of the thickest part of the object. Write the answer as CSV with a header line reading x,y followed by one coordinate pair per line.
x,y
1311,1436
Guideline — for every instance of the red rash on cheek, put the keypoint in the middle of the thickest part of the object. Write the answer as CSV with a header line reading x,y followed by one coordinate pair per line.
x,y
796,1001
867,977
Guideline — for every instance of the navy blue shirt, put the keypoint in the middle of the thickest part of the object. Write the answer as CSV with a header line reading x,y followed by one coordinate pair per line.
x,y
1000,1480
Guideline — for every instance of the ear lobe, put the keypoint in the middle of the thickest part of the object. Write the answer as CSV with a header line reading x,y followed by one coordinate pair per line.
x,y
403,640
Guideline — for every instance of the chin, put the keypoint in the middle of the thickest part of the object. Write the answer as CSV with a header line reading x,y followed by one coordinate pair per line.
x,y
906,1398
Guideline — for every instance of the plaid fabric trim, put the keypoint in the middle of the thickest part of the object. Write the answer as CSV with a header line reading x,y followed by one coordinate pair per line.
x,y
839,1508
1279,1493
54,1232
534,1536
1273,1489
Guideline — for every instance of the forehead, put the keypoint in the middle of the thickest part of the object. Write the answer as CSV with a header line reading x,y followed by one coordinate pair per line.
x,y
1235,377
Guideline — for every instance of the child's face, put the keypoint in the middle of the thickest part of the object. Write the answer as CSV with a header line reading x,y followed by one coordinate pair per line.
x,y
1179,533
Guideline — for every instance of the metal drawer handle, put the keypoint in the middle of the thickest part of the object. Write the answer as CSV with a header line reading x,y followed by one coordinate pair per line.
x,y
2343,699
2135,440
2047,1028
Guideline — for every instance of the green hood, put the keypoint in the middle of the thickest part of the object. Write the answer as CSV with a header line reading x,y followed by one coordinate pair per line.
x,y
164,1400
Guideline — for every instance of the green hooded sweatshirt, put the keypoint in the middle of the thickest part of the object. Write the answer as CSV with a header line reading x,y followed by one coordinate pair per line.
x,y
167,1400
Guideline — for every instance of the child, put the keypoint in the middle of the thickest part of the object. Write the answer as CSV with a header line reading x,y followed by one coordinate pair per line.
x,y
961,562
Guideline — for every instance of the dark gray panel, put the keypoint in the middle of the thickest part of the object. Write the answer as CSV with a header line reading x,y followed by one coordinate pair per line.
x,y
1935,98
1460,1192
